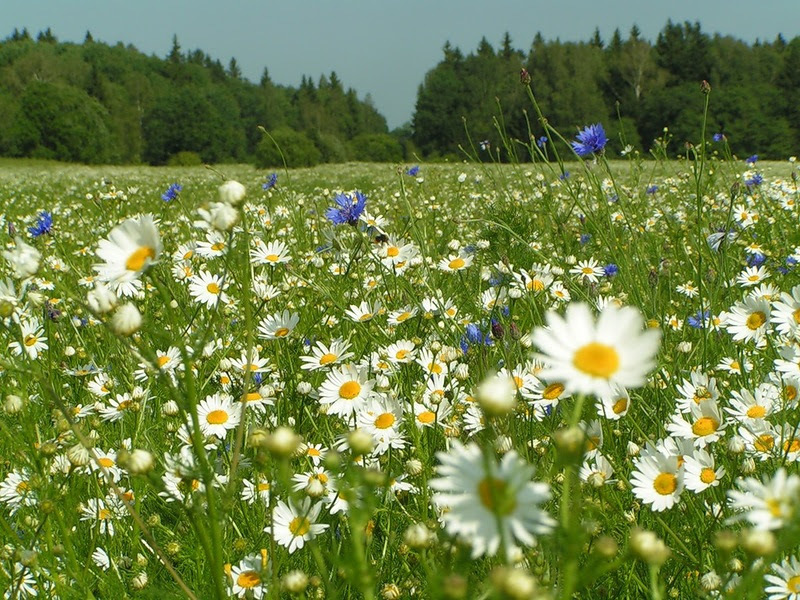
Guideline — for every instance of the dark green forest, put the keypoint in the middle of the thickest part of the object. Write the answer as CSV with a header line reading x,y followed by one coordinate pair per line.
x,y
630,85
97,103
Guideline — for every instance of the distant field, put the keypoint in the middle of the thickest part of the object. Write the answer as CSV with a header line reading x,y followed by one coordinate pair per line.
x,y
473,381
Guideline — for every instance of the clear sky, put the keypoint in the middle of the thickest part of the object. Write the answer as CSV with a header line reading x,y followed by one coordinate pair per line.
x,y
375,46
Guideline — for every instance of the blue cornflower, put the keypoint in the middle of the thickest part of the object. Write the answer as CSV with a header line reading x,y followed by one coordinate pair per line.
x,y
541,141
564,175
791,261
651,189
699,320
783,270
718,137
591,140
272,180
172,192
413,171
613,199
44,224
751,160
349,209
756,179
756,260
473,334
585,237
610,270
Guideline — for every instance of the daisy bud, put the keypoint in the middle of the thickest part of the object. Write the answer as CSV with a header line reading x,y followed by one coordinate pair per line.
x,y
748,466
735,565
101,299
13,404
418,536
223,216
710,581
633,449
685,347
596,480
257,438
360,442
569,441
231,192
515,293
390,592
606,546
758,543
497,395
304,388
69,351
169,408
413,467
78,455
295,582
283,442
126,320
36,299
173,304
648,547
726,541
503,444
139,462
315,489
735,445
139,582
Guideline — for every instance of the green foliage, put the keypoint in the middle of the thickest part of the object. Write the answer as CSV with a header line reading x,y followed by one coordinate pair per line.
x,y
295,147
377,147
185,159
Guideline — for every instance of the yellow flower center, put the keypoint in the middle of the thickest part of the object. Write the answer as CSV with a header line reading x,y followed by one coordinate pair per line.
x,y
30,340
218,246
365,317
553,391
385,420
253,397
704,426
23,487
538,285
282,332
217,417
789,392
313,452
764,443
494,495
213,288
248,579
620,406
123,405
707,475
350,390
435,368
392,251
327,359
792,445
138,259
665,483
518,382
263,487
401,354
756,320
793,585
426,417
299,526
756,412
774,508
597,360
753,278
272,257
456,263
105,462
188,255
162,360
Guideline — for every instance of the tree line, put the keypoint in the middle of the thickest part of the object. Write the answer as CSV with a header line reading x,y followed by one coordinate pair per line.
x,y
634,87
97,103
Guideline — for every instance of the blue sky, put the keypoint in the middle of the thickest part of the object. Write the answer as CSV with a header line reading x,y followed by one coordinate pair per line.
x,y
375,46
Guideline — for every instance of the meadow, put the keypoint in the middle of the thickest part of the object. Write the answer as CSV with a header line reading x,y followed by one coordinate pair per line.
x,y
468,380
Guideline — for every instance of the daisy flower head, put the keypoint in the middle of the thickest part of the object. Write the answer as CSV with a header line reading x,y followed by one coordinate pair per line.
x,y
455,263
752,276
33,340
485,501
657,480
127,252
249,578
345,390
271,254
784,581
293,525
208,289
767,504
277,326
699,473
591,357
324,356
217,414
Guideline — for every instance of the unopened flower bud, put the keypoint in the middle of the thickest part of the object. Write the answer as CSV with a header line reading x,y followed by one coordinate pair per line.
x,y
13,404
648,547
232,192
497,395
417,536
360,442
283,442
126,320
295,582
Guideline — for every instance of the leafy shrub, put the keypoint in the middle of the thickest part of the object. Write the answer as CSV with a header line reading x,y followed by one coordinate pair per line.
x,y
297,148
185,158
376,147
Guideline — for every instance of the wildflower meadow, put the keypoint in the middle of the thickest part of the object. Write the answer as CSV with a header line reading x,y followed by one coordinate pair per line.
x,y
575,377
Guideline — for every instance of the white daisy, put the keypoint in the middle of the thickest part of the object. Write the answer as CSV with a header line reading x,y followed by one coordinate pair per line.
x,y
323,356
130,248
278,326
345,390
767,504
785,583
293,525
218,414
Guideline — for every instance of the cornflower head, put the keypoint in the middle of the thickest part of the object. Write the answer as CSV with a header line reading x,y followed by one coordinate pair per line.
x,y
44,224
348,209
591,140
271,181
172,192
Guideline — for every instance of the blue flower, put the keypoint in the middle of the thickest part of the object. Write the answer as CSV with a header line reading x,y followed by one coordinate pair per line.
x,y
348,209
172,192
699,320
585,237
564,175
271,181
791,261
751,160
756,260
651,189
591,140
413,171
473,334
610,270
44,224
541,141
718,137
756,179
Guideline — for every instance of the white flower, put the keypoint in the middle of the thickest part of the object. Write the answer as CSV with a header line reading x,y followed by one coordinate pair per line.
x,y
767,504
231,192
130,248
126,320
23,258
293,525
